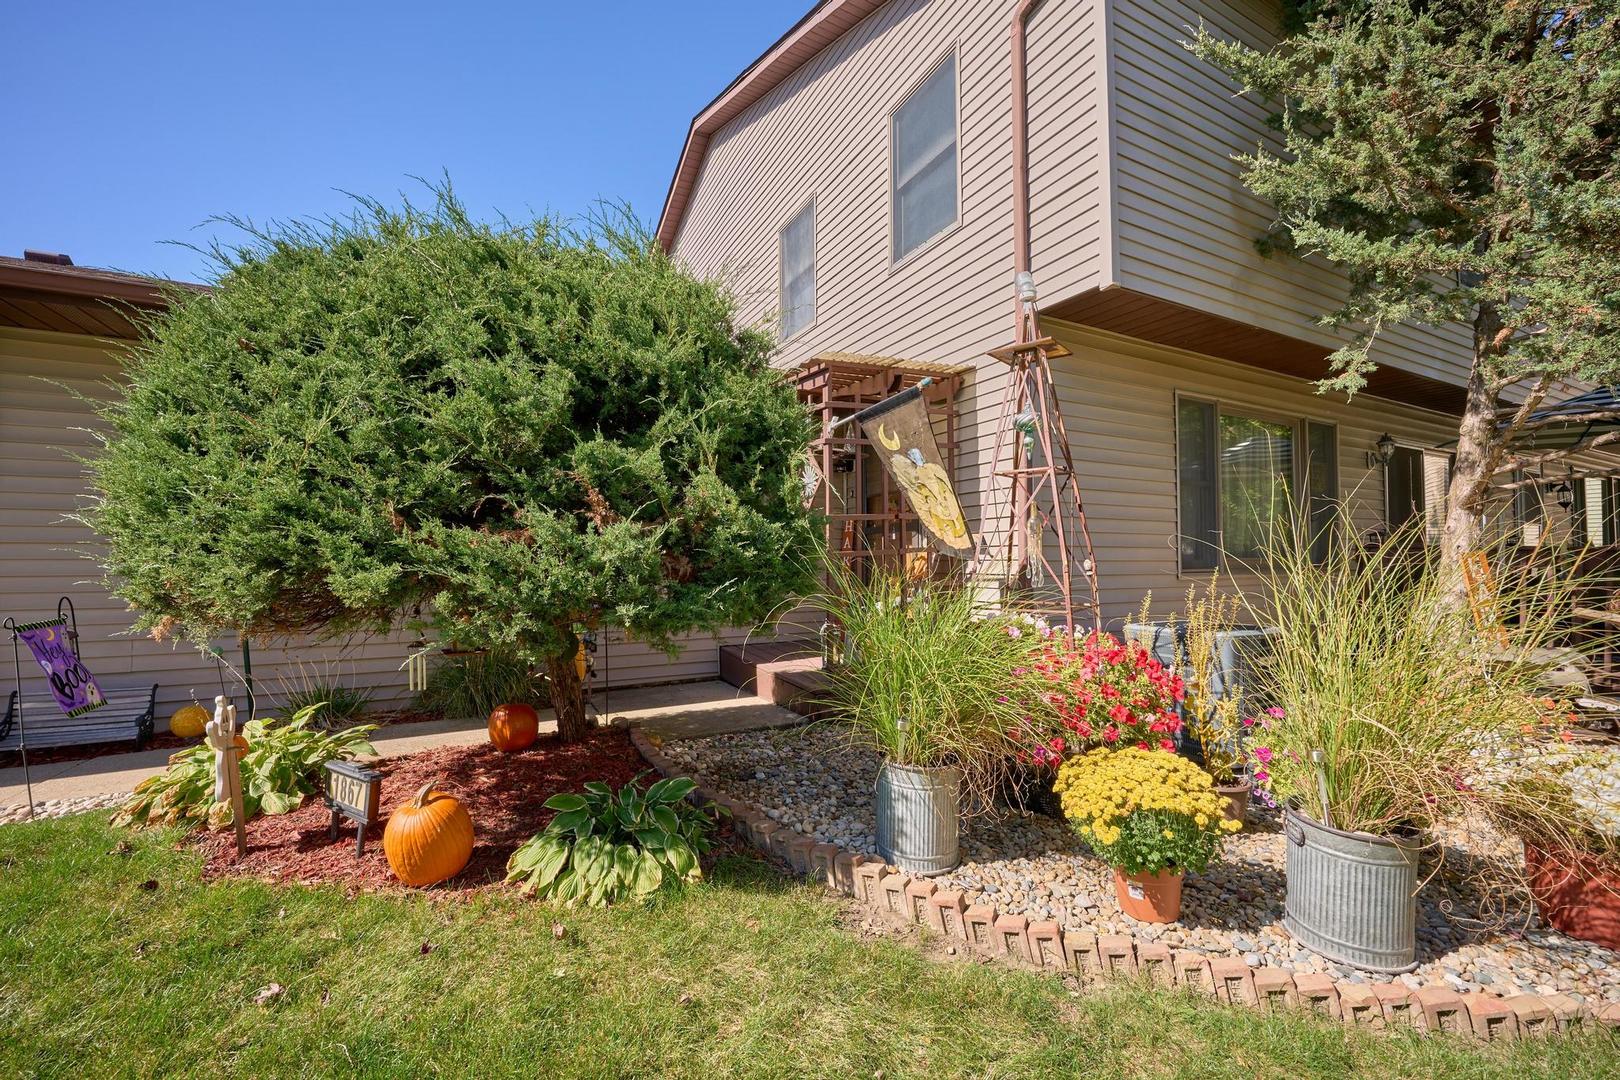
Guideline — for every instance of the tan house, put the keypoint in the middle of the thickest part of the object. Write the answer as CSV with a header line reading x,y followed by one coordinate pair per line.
x,y
860,187
857,187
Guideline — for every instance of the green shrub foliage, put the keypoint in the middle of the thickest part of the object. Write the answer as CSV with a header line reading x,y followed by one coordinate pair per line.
x,y
604,846
280,767
506,430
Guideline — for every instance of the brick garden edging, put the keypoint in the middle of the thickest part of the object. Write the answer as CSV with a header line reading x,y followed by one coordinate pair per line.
x,y
1043,945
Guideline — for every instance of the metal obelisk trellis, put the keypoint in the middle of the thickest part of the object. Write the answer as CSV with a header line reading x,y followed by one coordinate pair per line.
x,y
1034,541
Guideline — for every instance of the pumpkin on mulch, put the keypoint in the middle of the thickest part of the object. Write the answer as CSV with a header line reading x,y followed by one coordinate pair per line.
x,y
504,793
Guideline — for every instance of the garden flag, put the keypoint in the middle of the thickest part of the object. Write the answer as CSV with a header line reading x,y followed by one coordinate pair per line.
x,y
904,437
73,687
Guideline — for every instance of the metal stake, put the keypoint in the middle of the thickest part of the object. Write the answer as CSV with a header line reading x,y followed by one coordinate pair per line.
x,y
22,728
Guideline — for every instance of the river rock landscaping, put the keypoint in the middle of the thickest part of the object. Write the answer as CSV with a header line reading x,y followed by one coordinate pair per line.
x,y
814,781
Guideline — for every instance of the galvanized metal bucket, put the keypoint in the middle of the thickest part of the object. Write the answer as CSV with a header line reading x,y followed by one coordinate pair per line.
x,y
916,818
1352,896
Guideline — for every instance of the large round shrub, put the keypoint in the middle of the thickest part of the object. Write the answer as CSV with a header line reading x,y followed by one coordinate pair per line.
x,y
506,432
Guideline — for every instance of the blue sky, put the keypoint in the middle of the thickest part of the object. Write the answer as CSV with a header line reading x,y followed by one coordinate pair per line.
x,y
128,125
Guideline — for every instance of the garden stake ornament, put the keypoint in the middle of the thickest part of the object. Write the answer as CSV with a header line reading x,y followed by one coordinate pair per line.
x,y
220,734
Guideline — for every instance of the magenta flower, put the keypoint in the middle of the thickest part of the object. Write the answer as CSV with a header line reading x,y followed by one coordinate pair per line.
x,y
1262,754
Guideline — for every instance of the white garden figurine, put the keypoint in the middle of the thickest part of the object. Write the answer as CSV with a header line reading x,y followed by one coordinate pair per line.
x,y
220,734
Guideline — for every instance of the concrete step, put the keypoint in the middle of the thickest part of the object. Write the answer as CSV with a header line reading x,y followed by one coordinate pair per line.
x,y
739,664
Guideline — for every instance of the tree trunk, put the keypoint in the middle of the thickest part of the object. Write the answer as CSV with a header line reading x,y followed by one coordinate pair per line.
x,y
567,698
1478,453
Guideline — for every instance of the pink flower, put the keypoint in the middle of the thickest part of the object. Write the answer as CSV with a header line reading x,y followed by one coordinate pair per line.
x,y
1275,713
1261,776
1262,754
1248,721
1166,744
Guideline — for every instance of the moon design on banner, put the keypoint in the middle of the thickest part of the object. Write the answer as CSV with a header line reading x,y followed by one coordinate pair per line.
x,y
890,442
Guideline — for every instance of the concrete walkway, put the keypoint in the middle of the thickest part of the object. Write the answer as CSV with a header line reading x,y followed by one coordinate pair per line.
x,y
683,711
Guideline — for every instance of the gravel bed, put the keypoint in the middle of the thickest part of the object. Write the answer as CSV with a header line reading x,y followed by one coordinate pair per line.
x,y
814,781
55,808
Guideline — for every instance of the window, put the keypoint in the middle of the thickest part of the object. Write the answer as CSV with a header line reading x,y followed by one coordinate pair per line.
x,y
1242,476
798,285
923,145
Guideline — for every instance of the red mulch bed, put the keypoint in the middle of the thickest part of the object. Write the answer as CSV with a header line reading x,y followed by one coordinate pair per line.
x,y
502,792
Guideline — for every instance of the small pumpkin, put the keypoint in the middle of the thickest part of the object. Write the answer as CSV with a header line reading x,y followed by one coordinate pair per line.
x,y
428,839
513,727
188,721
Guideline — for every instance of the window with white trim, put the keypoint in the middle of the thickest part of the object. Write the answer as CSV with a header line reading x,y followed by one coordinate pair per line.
x,y
923,147
1241,476
797,249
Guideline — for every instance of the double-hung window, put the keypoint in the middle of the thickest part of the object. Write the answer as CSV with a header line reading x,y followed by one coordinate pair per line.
x,y
798,282
1240,477
923,146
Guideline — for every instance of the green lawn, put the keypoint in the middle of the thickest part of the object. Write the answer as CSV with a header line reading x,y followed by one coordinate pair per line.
x,y
746,976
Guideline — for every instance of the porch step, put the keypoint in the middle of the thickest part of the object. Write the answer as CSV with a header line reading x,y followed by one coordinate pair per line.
x,y
787,673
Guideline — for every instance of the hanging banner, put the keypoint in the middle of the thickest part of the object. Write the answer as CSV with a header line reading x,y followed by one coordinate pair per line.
x,y
74,688
900,429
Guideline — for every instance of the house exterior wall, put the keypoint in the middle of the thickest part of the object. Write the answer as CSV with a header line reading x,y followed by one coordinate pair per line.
x,y
1186,224
1119,396
42,425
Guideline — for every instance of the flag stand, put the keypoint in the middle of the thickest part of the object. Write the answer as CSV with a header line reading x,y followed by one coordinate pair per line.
x,y
22,728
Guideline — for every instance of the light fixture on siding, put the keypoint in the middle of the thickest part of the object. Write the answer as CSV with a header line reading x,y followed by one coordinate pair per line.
x,y
1024,281
1564,494
1383,451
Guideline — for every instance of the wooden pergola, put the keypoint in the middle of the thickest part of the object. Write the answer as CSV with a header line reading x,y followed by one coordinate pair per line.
x,y
869,523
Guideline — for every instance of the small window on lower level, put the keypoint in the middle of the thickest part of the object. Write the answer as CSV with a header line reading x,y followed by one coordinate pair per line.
x,y
1243,476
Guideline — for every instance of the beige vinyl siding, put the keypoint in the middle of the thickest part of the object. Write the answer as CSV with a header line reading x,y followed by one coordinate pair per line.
x,y
1118,398
824,133
1186,224
42,424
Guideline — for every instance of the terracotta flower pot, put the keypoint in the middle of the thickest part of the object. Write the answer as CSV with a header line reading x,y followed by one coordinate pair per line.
x,y
1237,800
1154,898
1576,895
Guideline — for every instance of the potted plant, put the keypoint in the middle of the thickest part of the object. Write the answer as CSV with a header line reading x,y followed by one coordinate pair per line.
x,y
924,681
1151,816
1385,687
1097,691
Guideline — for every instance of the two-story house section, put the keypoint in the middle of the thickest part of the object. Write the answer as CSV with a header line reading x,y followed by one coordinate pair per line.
x,y
855,187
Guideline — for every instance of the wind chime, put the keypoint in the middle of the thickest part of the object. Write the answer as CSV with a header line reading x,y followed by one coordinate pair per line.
x,y
1042,551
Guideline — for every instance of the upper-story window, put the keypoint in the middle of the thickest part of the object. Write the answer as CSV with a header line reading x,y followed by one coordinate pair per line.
x,y
798,285
923,135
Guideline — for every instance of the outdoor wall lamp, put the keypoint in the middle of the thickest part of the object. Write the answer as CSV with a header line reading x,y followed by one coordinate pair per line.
x,y
1025,283
1565,496
1383,451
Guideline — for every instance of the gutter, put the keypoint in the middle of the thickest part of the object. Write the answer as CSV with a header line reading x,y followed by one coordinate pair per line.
x,y
1020,165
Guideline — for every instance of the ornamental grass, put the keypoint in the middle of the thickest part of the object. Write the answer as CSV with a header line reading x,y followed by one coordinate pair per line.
x,y
1404,702
923,678
1143,811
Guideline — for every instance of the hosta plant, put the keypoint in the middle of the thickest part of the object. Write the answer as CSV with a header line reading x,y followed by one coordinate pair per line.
x,y
604,846
280,767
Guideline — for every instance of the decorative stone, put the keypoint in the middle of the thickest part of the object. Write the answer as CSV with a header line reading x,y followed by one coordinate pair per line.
x,y
1193,971
1318,993
1491,1017
1046,945
1153,960
1118,954
1080,952
918,891
1534,1015
1274,989
946,908
1012,938
980,920
823,864
1440,1008
1234,981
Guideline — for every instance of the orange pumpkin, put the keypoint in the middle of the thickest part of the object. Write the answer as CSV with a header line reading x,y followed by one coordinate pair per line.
x,y
428,839
513,727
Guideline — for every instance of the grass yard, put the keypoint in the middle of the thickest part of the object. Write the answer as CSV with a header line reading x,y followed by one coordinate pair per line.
x,y
104,973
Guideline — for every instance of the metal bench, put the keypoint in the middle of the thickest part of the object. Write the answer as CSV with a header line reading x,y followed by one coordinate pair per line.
x,y
128,714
